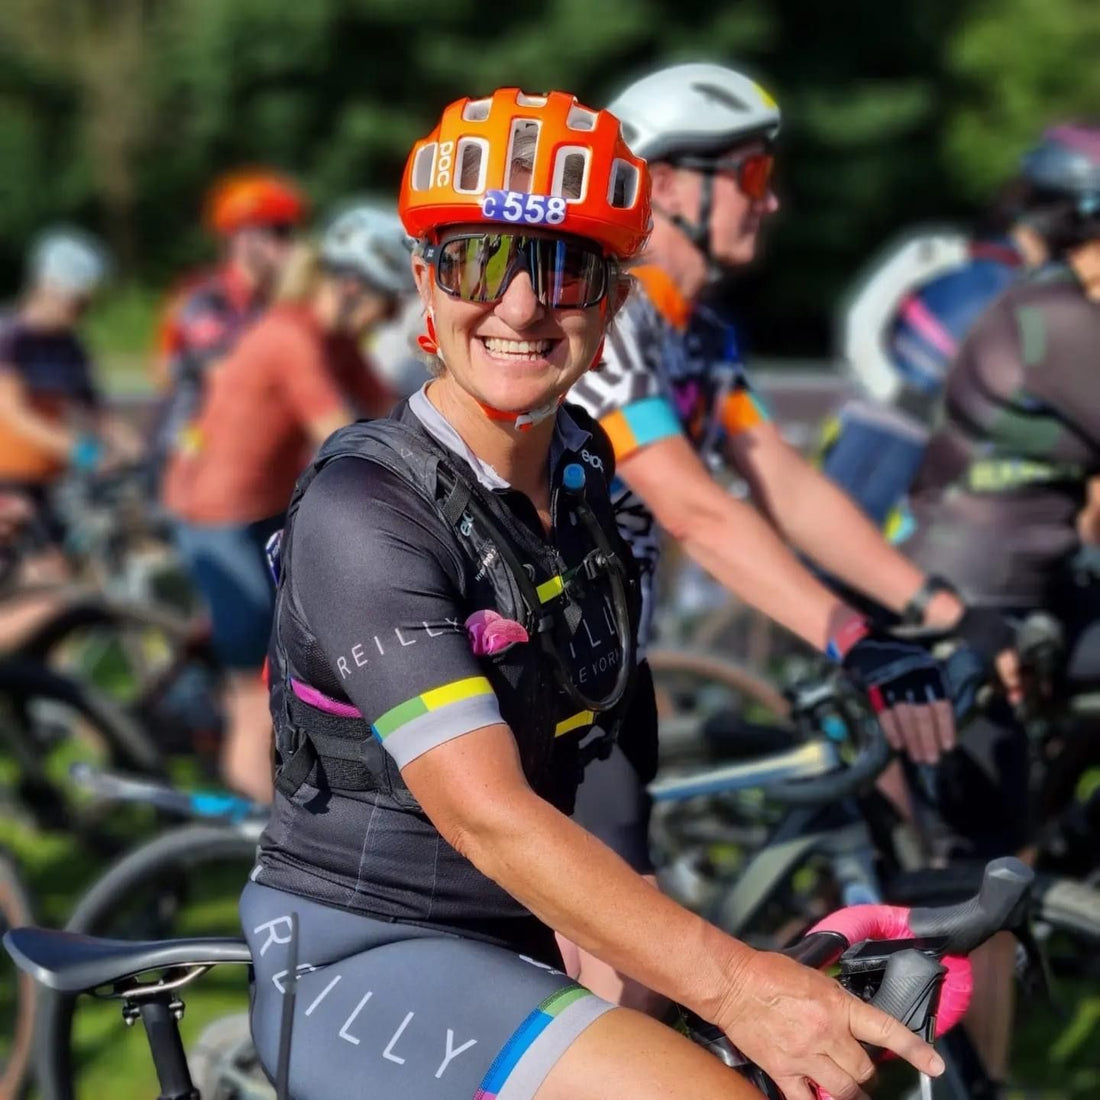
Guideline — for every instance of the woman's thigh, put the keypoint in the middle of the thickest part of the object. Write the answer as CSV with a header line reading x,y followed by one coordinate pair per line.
x,y
628,1054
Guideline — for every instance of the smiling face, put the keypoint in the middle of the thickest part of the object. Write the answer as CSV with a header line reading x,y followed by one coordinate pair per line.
x,y
515,354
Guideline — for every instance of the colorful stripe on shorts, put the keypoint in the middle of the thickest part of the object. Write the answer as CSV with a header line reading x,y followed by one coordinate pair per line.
x,y
435,716
523,1062
639,424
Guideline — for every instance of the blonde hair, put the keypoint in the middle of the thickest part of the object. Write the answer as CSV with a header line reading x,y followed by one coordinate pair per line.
x,y
301,274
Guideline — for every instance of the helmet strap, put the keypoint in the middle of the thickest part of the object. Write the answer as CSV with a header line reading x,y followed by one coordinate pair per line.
x,y
523,422
698,232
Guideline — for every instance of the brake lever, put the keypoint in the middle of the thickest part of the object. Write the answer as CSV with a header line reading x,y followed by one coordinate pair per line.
x,y
1033,969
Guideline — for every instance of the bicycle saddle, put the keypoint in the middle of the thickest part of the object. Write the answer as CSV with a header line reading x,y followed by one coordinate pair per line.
x,y
72,963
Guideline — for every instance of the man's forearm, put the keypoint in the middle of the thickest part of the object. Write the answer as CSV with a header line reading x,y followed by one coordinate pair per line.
x,y
825,524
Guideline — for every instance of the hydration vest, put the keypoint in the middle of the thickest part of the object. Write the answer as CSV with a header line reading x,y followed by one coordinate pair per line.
x,y
548,714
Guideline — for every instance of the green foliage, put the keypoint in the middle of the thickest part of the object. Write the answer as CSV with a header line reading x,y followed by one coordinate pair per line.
x,y
120,115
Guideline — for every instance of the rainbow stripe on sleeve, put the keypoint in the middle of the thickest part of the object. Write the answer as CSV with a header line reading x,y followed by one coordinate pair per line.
x,y
435,716
639,424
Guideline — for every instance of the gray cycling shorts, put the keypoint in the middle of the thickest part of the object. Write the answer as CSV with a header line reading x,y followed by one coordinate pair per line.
x,y
396,1010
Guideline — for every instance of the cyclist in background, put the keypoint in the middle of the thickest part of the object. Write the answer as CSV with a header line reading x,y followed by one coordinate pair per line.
x,y
672,395
51,417
294,377
901,330
254,214
1004,478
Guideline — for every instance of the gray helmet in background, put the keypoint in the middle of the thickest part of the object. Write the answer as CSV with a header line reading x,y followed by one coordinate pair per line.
x,y
692,115
68,261
369,241
694,110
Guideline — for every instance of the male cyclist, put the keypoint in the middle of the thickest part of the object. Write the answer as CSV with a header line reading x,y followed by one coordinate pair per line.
x,y
254,215
672,391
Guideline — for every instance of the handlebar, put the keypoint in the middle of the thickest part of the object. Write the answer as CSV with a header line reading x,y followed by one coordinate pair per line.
x,y
998,905
208,805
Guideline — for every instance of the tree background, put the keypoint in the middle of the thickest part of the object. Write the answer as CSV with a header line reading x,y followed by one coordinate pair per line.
x,y
117,114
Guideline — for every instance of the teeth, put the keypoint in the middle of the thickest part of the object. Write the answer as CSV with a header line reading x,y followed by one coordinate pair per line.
x,y
525,348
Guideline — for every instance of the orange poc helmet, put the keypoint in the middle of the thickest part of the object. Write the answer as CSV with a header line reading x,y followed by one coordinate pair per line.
x,y
583,178
254,198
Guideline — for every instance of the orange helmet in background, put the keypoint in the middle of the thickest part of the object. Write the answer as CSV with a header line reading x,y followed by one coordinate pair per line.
x,y
254,198
583,178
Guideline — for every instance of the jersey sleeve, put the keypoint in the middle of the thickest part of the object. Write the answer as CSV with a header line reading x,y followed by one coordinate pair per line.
x,y
625,394
379,587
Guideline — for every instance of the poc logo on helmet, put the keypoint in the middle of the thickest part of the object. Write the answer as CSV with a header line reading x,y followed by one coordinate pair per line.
x,y
446,160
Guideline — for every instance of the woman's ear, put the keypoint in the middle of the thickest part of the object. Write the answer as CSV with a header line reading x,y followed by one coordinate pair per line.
x,y
422,274
665,193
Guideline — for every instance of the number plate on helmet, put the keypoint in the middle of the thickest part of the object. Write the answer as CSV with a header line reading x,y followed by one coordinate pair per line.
x,y
520,208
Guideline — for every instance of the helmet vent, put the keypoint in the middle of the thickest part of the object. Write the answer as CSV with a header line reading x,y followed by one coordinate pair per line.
x,y
580,119
525,100
522,148
473,160
422,167
476,110
571,173
720,95
623,188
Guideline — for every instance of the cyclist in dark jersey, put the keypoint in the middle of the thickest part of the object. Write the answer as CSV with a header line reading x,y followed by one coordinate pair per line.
x,y
901,330
995,502
997,498
456,619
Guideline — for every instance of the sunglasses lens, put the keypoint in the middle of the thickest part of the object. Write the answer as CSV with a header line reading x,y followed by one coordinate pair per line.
x,y
755,175
564,274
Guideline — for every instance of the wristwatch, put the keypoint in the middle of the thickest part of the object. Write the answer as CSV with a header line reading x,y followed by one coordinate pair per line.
x,y
914,611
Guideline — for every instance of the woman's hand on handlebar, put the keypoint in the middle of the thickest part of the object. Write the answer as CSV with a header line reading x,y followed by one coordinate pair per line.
x,y
799,1026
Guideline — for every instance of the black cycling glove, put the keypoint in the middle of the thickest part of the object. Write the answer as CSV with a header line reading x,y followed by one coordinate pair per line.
x,y
891,671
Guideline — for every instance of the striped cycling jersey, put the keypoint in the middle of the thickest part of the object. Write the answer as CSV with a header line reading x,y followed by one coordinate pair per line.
x,y
669,369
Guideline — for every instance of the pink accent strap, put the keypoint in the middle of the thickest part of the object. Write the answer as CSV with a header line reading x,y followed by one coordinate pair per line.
x,y
323,702
921,318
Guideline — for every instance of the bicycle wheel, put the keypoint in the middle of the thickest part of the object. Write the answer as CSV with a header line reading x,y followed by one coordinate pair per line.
x,y
692,685
154,662
17,990
185,881
48,722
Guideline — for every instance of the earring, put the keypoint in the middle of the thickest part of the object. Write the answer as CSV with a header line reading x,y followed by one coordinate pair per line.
x,y
427,341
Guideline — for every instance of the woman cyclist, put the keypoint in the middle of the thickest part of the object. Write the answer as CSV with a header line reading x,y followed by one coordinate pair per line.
x,y
295,377
455,622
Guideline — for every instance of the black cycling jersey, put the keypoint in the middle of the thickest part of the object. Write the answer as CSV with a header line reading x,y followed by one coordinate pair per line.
x,y
379,613
1005,475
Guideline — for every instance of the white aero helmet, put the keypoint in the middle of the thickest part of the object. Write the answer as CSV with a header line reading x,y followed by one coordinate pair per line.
x,y
694,110
368,240
69,261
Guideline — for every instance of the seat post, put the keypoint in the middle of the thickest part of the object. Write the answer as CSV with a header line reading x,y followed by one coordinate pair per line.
x,y
160,1013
